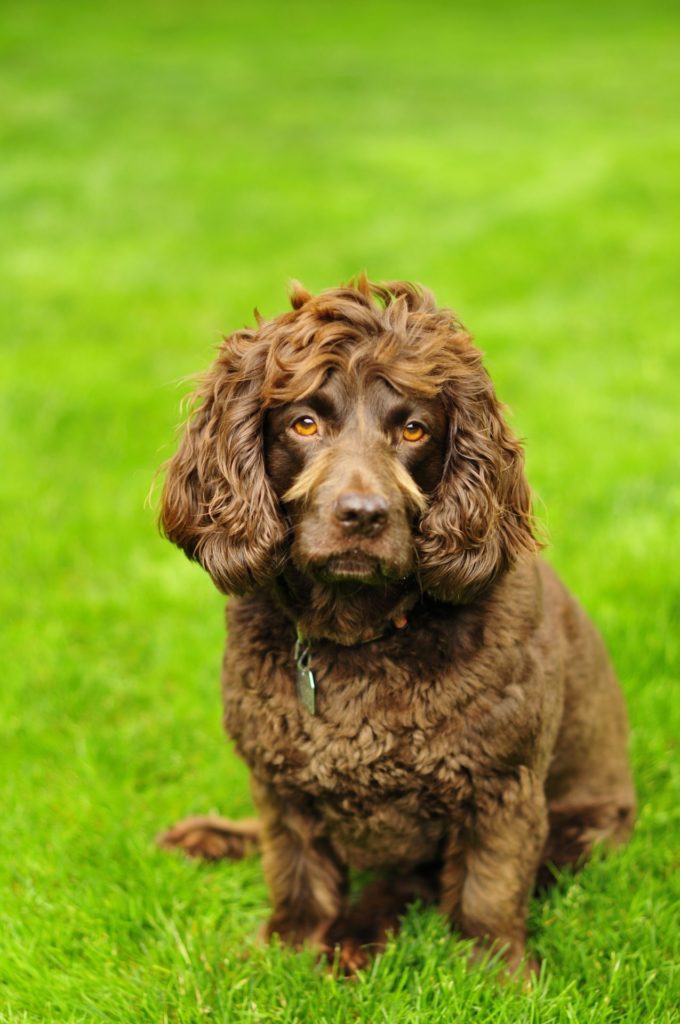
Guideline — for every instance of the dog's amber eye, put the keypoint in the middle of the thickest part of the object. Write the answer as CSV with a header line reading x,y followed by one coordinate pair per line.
x,y
413,431
305,426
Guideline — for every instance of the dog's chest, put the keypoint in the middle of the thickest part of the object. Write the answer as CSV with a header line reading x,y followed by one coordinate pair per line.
x,y
381,734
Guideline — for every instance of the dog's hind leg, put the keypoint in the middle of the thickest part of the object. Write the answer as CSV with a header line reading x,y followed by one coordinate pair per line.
x,y
575,829
209,837
365,928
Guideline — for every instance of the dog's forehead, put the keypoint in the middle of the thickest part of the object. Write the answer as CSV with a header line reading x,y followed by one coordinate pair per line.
x,y
353,385
351,389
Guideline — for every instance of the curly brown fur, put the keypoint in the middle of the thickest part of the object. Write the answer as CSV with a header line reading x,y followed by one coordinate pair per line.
x,y
467,749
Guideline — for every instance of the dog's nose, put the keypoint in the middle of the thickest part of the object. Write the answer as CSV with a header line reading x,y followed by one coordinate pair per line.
x,y
364,514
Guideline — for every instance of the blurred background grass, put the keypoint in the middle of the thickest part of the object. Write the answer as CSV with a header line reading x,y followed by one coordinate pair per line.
x,y
166,166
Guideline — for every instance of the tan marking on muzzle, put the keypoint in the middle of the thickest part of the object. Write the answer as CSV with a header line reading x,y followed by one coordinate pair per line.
x,y
316,474
311,478
409,488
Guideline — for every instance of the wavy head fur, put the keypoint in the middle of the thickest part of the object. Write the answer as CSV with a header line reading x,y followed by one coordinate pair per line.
x,y
218,504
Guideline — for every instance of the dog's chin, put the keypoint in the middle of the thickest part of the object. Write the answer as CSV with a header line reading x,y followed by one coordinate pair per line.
x,y
352,567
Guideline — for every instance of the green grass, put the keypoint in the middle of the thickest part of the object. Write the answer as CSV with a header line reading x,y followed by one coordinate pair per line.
x,y
164,167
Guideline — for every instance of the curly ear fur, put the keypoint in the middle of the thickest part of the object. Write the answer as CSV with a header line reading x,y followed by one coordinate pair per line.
x,y
217,504
479,521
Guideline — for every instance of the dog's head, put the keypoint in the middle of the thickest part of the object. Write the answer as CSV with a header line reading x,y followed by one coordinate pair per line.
x,y
358,437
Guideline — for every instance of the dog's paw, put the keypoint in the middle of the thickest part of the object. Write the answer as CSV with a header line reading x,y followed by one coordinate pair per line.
x,y
297,930
350,957
209,837
516,964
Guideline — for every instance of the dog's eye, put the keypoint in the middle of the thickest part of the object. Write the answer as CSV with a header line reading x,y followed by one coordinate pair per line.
x,y
413,431
305,426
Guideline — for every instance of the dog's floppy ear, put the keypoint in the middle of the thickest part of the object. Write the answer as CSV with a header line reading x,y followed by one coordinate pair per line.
x,y
217,503
479,521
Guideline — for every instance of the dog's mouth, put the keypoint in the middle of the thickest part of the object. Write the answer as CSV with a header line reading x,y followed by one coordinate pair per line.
x,y
351,565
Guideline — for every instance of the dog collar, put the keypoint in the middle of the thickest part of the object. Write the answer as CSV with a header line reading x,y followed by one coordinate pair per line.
x,y
305,679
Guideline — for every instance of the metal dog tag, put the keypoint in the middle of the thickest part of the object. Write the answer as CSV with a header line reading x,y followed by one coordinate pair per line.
x,y
306,688
305,682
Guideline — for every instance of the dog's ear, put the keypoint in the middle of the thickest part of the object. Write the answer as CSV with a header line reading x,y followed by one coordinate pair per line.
x,y
217,503
479,521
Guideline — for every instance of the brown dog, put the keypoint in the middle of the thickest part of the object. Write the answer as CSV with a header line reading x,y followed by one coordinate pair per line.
x,y
413,689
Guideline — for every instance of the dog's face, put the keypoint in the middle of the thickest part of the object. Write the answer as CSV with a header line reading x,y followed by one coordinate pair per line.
x,y
352,465
357,436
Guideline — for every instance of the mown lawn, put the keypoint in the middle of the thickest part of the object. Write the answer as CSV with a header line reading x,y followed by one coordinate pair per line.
x,y
165,166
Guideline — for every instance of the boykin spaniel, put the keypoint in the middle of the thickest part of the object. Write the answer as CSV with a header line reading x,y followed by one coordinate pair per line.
x,y
413,689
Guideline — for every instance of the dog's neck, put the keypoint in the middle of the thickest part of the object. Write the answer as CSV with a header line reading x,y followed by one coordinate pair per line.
x,y
344,613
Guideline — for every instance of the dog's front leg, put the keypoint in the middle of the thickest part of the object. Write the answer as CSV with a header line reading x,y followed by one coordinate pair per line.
x,y
306,880
492,876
